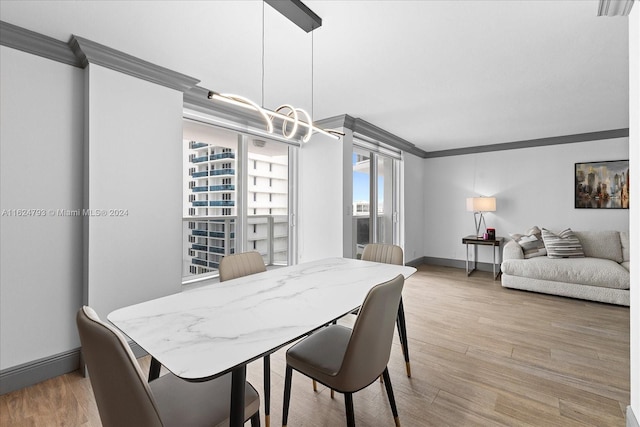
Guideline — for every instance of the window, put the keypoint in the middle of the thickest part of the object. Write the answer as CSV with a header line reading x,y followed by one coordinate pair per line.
x,y
215,176
270,182
375,220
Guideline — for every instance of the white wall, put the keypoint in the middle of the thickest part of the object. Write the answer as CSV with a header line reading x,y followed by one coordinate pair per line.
x,y
320,206
414,204
634,157
134,163
41,111
533,186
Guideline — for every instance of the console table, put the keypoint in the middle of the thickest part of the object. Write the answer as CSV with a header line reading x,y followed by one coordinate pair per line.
x,y
479,241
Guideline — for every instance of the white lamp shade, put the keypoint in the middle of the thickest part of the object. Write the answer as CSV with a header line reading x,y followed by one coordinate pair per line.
x,y
481,204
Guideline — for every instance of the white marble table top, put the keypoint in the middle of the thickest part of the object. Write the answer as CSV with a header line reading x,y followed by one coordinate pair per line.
x,y
207,331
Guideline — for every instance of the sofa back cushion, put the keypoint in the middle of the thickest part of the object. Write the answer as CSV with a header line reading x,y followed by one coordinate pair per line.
x,y
601,244
624,239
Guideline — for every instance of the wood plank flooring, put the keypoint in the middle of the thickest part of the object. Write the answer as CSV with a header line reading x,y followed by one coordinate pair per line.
x,y
481,355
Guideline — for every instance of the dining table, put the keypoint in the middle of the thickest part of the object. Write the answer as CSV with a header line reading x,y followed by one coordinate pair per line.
x,y
208,331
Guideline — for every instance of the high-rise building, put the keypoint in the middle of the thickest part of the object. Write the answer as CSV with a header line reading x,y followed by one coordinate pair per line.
x,y
210,206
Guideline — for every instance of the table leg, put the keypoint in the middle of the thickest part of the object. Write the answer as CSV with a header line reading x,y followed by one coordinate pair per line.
x,y
154,369
467,263
267,390
475,257
238,379
494,263
402,333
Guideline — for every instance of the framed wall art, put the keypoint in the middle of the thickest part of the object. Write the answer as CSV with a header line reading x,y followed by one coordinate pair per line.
x,y
602,185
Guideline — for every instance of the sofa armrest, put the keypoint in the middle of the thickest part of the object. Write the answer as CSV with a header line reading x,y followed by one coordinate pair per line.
x,y
512,250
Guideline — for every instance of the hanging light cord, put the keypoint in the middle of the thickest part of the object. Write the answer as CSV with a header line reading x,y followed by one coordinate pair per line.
x,y
262,100
294,114
311,75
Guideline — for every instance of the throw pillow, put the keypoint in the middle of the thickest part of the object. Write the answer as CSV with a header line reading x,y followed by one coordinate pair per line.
x,y
531,243
562,245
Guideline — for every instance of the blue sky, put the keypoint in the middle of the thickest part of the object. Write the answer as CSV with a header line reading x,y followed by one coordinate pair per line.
x,y
361,185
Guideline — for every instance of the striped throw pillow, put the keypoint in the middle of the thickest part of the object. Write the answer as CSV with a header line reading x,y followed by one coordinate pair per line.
x,y
562,245
531,243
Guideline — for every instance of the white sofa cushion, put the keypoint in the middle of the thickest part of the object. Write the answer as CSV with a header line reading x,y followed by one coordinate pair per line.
x,y
601,244
583,271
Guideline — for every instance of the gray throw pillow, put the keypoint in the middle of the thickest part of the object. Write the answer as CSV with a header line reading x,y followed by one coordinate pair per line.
x,y
562,245
531,242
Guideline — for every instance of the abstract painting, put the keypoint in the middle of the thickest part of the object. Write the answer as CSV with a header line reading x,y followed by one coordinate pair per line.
x,y
602,185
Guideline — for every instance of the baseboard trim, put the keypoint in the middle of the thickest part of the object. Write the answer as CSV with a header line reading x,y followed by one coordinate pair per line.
x,y
31,373
457,263
632,421
416,262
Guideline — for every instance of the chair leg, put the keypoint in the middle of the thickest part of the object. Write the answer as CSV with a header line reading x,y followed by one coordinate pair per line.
x,y
348,404
392,400
287,395
315,385
154,369
267,390
255,419
402,332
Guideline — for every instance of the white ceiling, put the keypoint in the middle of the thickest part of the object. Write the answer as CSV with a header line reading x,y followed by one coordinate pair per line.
x,y
440,74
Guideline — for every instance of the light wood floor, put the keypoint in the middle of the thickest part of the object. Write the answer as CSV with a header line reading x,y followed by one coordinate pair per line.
x,y
480,355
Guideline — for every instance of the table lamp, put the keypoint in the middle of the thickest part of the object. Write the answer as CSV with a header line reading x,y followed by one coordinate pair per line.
x,y
479,205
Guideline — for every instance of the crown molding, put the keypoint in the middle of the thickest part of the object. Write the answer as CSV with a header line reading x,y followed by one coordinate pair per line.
x,y
335,122
90,52
370,131
614,7
37,44
530,143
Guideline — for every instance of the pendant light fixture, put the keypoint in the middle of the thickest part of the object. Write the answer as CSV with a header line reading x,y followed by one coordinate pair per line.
x,y
292,118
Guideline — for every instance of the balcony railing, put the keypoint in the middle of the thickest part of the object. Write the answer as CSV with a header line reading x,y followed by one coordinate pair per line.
x,y
225,171
222,203
224,187
361,232
222,156
200,159
208,239
200,174
194,145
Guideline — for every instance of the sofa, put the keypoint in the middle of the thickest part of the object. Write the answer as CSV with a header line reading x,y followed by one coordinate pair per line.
x,y
601,274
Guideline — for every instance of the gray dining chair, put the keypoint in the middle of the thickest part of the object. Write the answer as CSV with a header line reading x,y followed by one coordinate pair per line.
x,y
240,265
391,254
124,397
349,360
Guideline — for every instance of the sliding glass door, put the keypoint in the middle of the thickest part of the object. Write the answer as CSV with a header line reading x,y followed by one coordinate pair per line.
x,y
375,198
